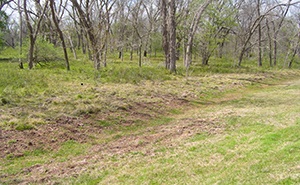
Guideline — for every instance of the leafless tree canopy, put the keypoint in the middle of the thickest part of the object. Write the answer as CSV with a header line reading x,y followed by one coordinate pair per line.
x,y
264,30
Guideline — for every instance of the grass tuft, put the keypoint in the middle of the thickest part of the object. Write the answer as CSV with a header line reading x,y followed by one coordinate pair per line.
x,y
24,126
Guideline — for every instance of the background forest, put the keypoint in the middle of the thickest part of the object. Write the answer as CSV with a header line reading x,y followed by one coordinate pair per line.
x,y
149,92
265,32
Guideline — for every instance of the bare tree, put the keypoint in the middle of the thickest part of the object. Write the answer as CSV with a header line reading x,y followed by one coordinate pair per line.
x,y
168,11
93,16
250,23
295,49
33,28
3,15
61,35
216,26
192,31
277,30
293,38
86,22
121,28
108,6
165,33
152,11
137,10
4,2
172,34
20,34
259,34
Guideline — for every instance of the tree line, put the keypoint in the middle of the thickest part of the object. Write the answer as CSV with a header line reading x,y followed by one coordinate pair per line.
x,y
267,30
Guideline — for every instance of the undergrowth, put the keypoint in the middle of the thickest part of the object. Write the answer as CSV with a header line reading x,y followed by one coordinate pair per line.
x,y
29,96
148,112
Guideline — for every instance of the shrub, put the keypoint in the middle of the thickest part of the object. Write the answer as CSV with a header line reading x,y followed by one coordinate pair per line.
x,y
44,51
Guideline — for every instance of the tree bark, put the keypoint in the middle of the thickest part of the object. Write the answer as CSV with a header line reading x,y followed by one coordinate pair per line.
x,y
61,35
140,55
20,35
165,41
87,24
254,25
32,34
270,43
192,30
131,53
172,30
259,36
73,48
277,31
295,50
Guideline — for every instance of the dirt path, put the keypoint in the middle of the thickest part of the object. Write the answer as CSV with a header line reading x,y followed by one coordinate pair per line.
x,y
210,120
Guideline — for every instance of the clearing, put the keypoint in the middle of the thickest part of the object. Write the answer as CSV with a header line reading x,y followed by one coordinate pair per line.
x,y
240,136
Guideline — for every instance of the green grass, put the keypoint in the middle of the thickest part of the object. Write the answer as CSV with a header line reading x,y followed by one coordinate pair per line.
x,y
245,124
22,127
69,149
251,151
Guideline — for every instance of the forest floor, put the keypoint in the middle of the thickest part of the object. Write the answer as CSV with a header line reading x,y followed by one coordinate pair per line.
x,y
214,129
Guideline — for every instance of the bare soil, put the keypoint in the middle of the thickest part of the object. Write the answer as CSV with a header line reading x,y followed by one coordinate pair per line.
x,y
82,129
165,135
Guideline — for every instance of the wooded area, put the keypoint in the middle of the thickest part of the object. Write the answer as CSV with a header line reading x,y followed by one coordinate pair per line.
x,y
149,92
265,30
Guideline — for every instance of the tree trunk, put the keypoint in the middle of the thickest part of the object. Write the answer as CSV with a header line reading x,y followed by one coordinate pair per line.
x,y
275,51
96,58
172,42
259,36
120,55
277,31
178,45
192,30
61,36
242,56
165,41
188,53
86,22
30,52
32,34
292,59
105,56
221,47
79,39
72,47
205,58
20,35
205,61
140,55
270,43
83,42
295,51
131,53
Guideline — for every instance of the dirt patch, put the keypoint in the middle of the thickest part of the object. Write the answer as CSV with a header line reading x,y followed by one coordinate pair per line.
x,y
45,137
145,143
51,136
80,129
165,135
